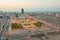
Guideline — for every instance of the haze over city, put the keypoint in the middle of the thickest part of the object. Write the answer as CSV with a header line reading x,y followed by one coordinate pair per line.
x,y
31,5
29,20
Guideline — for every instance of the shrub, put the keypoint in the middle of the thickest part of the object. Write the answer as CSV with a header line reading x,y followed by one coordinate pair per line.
x,y
38,24
16,26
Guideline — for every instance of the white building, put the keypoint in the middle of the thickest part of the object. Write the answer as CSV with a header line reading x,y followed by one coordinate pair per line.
x,y
57,15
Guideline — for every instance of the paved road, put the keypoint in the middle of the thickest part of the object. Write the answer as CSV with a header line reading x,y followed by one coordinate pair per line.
x,y
2,21
22,34
49,19
25,34
4,29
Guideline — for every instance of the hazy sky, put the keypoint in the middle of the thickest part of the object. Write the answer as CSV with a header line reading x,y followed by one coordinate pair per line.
x,y
17,4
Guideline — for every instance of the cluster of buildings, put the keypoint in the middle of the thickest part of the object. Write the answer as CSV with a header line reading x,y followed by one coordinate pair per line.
x,y
24,20
57,14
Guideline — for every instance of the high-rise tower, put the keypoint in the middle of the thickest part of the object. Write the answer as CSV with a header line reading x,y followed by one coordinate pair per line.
x,y
22,16
22,11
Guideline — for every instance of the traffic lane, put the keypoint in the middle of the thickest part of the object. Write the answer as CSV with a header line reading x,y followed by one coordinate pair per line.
x,y
4,29
50,19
